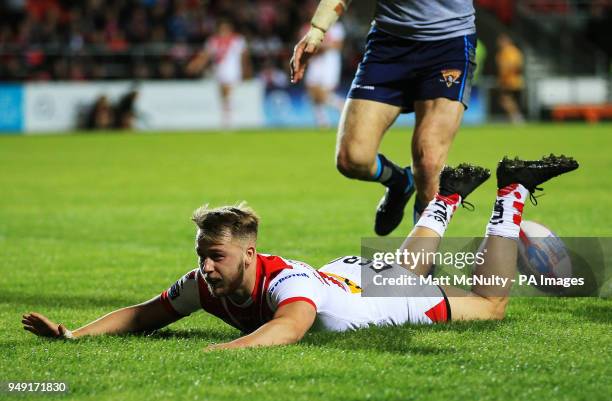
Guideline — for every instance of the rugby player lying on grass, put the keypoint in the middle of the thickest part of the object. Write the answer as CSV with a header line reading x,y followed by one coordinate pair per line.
x,y
275,301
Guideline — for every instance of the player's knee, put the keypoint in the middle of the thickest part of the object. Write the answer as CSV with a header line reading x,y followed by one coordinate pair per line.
x,y
428,165
351,164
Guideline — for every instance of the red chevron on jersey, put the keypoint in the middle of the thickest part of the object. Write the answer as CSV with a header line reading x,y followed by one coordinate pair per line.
x,y
254,312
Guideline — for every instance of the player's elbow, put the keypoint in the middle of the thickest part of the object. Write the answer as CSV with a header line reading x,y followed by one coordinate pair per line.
x,y
293,332
295,336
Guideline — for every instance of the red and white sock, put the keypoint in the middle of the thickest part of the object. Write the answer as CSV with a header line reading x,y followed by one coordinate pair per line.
x,y
439,212
508,211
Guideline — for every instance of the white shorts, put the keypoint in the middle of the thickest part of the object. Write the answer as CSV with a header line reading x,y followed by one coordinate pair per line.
x,y
228,76
426,304
324,70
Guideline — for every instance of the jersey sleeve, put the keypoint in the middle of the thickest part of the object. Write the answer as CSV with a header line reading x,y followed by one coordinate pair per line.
x,y
183,297
295,285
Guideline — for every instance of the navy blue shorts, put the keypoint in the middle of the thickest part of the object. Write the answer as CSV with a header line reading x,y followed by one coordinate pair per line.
x,y
400,71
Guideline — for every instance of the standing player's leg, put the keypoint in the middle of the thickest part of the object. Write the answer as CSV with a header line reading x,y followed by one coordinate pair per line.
x,y
379,92
362,127
437,122
441,95
516,179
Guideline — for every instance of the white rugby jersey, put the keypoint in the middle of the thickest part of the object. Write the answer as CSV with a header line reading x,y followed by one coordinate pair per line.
x,y
227,52
334,291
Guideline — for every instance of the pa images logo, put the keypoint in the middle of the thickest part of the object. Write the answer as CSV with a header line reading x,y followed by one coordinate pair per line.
x,y
451,77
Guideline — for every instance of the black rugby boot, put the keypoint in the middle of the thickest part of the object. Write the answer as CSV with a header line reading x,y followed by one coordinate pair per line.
x,y
532,173
390,210
462,180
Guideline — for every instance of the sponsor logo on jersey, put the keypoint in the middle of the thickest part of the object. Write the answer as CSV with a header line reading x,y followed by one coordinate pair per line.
x,y
353,287
177,287
287,277
450,77
175,291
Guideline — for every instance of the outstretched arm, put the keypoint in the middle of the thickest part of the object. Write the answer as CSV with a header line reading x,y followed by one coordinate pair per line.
x,y
198,63
290,324
150,315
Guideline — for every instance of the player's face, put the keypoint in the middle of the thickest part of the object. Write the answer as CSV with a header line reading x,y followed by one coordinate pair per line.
x,y
225,29
223,265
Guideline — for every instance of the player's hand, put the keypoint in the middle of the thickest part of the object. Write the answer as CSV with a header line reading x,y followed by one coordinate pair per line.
x,y
305,48
43,327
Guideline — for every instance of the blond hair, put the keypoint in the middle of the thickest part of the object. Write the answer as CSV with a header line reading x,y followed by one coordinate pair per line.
x,y
239,221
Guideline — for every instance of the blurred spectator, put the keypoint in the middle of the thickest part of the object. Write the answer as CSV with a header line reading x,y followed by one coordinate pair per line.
x,y
111,39
125,111
96,39
100,115
510,77
227,51
104,116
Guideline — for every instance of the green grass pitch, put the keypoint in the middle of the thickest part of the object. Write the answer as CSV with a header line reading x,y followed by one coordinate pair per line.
x,y
90,223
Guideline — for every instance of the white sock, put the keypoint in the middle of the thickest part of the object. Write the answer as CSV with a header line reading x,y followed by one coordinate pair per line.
x,y
439,212
508,211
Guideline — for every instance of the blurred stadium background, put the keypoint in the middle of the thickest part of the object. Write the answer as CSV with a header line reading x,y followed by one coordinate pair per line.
x,y
59,58
91,223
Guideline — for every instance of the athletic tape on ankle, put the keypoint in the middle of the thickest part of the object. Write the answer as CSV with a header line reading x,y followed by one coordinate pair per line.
x,y
508,211
439,212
